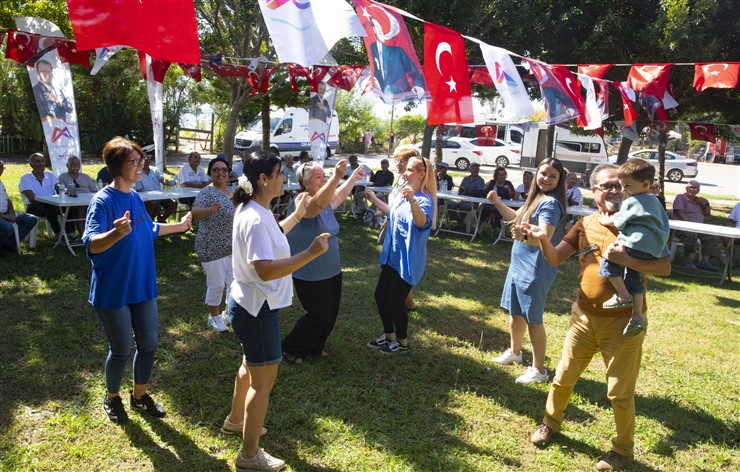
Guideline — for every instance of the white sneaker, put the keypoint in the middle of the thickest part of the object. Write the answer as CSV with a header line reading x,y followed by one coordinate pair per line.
x,y
532,375
225,317
508,358
215,322
261,461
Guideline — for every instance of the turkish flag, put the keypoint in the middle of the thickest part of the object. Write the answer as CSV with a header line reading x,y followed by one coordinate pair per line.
x,y
703,132
223,69
650,79
630,115
259,79
21,47
68,52
486,134
159,68
480,75
597,71
345,77
716,75
193,71
164,29
446,72
571,87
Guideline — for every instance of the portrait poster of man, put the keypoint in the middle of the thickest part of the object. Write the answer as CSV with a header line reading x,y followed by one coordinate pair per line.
x,y
397,74
49,90
320,110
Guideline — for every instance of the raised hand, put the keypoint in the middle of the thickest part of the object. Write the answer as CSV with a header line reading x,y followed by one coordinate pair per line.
x,y
341,168
319,245
493,196
408,193
122,225
301,201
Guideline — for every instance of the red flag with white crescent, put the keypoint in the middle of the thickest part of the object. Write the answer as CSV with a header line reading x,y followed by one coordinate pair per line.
x,y
716,75
650,79
446,72
597,71
703,132
345,77
480,75
628,96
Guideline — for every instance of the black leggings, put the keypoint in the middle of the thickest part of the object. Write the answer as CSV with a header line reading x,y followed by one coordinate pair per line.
x,y
390,296
321,300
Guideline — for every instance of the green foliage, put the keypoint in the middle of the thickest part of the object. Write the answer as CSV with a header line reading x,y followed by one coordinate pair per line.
x,y
355,114
409,126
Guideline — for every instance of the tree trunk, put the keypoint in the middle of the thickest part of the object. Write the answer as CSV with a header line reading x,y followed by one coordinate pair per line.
x,y
426,144
550,140
438,145
624,150
266,123
239,97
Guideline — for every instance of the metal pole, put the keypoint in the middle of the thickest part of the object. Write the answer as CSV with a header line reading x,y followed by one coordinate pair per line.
x,y
393,108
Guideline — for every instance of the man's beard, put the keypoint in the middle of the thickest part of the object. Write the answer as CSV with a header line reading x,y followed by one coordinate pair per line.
x,y
612,206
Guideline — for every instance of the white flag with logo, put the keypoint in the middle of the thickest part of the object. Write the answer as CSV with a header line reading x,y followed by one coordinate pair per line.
x,y
102,55
593,112
303,31
51,80
507,81
154,89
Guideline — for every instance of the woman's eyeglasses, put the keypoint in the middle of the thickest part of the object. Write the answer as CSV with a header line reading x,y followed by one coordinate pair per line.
x,y
219,170
136,162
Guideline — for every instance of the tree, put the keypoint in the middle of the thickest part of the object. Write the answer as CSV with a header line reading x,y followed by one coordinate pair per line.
x,y
355,115
409,126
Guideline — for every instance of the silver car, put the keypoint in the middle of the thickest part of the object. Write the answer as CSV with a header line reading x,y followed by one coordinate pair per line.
x,y
676,166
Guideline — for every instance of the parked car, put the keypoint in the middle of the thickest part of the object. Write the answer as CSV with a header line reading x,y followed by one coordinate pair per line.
x,y
499,153
459,152
676,166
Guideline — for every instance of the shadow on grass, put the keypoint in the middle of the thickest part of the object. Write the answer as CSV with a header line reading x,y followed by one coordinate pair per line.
x,y
355,399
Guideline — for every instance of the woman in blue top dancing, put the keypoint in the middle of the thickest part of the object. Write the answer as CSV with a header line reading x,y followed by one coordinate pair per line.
x,y
404,253
530,276
118,238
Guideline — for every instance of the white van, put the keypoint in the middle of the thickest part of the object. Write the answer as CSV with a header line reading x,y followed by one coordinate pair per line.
x,y
288,132
578,154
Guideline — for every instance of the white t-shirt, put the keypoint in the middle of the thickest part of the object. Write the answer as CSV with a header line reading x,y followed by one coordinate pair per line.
x,y
237,170
520,190
46,187
735,215
3,198
187,174
575,195
257,237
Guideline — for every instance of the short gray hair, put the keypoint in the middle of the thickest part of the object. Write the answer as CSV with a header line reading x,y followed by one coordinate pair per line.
x,y
30,158
598,169
73,158
303,173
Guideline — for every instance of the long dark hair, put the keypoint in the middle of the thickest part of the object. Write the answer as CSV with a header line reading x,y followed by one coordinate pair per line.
x,y
536,195
258,163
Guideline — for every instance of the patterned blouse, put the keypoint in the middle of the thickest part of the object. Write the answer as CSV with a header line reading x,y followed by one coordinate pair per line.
x,y
213,240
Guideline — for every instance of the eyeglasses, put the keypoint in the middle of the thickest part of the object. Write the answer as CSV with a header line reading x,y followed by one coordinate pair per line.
x,y
136,162
219,170
609,187
692,188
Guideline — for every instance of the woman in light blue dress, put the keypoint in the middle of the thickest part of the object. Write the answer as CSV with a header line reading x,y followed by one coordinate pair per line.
x,y
530,276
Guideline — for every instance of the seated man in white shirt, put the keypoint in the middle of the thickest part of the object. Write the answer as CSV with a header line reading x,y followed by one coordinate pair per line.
x,y
152,179
358,192
8,216
40,182
76,182
192,175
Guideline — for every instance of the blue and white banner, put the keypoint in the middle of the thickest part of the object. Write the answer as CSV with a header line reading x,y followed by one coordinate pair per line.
x,y
507,82
51,81
303,31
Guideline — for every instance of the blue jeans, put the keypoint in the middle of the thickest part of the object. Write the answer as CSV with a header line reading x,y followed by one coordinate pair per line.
x,y
139,320
632,278
25,224
259,335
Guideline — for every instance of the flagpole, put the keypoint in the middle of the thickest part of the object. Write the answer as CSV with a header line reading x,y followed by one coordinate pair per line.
x,y
393,108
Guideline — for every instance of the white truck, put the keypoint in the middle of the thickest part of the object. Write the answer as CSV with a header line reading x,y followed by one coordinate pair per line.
x,y
288,132
579,154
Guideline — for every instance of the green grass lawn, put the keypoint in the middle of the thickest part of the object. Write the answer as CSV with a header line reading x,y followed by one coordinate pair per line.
x,y
443,407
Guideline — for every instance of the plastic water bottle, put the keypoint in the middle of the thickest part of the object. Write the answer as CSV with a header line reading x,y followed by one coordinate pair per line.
x,y
62,189
442,185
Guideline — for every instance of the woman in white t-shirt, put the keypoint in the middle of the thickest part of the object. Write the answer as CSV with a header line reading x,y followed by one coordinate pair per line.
x,y
262,265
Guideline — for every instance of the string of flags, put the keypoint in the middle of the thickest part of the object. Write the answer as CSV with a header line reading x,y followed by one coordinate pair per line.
x,y
302,34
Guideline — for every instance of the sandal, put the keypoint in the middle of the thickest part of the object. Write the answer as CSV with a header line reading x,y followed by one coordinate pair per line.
x,y
292,358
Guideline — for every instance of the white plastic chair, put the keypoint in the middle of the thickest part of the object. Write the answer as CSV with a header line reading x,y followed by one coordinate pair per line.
x,y
31,237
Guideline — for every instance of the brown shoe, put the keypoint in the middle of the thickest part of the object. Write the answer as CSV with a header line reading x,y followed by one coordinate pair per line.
x,y
613,461
542,435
